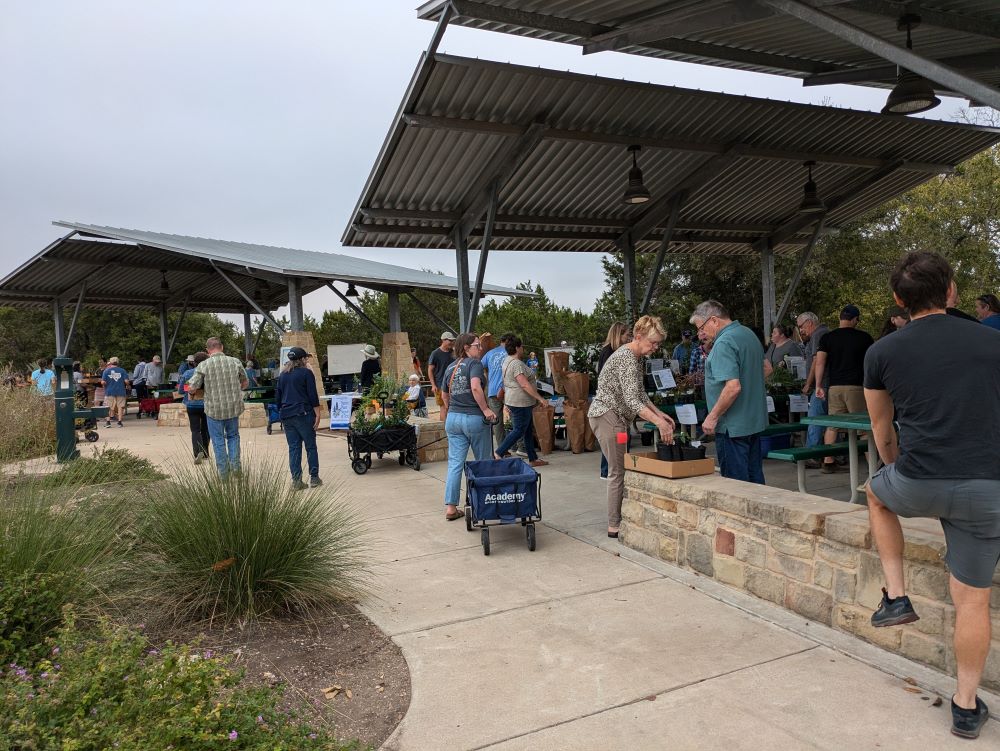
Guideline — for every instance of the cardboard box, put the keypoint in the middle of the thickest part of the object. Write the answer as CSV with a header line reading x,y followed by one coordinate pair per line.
x,y
647,463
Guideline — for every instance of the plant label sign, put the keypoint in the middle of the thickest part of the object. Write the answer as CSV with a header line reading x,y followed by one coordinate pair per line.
x,y
340,412
653,364
687,414
798,403
664,379
770,404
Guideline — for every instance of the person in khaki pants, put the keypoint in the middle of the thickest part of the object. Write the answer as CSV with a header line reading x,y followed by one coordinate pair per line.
x,y
621,397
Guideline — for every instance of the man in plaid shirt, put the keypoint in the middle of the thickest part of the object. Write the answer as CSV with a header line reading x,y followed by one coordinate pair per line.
x,y
223,379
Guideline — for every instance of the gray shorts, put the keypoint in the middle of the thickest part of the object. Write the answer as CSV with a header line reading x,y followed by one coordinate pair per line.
x,y
969,511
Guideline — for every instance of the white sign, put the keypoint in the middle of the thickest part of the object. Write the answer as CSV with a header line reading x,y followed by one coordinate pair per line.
x,y
544,387
770,404
653,364
283,360
798,403
664,379
797,365
344,359
340,411
687,414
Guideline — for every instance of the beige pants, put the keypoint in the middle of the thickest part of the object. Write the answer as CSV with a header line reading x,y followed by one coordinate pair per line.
x,y
842,400
116,407
606,428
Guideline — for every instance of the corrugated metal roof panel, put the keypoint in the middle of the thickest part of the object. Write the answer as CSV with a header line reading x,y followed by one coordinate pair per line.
x,y
474,111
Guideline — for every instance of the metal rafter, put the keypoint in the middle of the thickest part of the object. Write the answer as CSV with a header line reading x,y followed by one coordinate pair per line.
x,y
929,16
976,61
429,311
350,304
797,276
943,75
249,300
76,316
662,142
668,233
484,251
177,326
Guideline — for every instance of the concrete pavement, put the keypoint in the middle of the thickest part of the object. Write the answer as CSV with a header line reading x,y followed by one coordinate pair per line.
x,y
583,644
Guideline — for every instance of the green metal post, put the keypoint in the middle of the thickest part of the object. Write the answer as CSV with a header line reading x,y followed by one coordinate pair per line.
x,y
65,408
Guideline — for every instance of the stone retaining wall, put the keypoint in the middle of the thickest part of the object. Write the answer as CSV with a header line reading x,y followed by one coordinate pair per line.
x,y
432,438
175,416
808,554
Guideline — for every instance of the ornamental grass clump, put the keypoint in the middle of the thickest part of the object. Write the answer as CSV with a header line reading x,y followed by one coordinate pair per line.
x,y
110,465
54,553
243,548
28,420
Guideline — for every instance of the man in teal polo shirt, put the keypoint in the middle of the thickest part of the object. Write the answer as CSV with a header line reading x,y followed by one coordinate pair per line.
x,y
734,389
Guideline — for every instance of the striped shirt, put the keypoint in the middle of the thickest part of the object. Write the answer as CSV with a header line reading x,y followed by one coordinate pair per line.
x,y
222,377
620,386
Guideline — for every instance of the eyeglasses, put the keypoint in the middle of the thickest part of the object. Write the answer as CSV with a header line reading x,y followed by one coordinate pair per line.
x,y
704,323
477,345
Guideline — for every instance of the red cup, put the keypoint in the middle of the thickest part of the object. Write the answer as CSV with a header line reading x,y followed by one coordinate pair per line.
x,y
622,437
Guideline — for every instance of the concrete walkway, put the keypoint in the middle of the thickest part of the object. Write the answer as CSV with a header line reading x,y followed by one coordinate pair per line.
x,y
584,644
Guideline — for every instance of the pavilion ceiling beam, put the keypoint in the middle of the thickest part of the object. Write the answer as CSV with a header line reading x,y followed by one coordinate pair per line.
x,y
929,16
978,61
117,261
482,11
798,222
941,74
675,144
249,300
495,176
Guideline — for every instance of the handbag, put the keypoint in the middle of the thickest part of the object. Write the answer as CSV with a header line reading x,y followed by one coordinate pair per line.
x,y
502,392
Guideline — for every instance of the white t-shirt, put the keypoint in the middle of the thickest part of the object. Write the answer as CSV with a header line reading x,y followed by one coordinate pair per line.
x,y
413,393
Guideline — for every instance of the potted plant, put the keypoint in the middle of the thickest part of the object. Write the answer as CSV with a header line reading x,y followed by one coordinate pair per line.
x,y
672,452
689,451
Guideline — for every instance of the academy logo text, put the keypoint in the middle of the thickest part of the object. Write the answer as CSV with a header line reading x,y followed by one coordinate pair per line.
x,y
503,497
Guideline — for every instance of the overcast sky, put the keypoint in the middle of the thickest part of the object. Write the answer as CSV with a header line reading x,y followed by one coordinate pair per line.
x,y
257,121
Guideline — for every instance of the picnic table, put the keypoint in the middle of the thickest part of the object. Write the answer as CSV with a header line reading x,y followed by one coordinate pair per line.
x,y
854,423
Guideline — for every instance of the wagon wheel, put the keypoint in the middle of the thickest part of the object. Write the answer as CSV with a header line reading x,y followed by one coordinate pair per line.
x,y
468,519
359,466
368,461
269,428
531,536
402,458
485,536
91,436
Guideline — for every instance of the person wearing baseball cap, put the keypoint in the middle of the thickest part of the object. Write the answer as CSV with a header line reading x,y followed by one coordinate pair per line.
x,y
300,413
841,354
437,364
682,352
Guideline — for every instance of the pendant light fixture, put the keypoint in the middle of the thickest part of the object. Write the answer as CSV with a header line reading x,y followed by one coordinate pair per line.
x,y
811,202
912,93
351,291
636,192
164,285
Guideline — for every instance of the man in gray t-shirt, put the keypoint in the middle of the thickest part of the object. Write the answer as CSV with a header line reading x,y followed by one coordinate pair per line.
x,y
811,331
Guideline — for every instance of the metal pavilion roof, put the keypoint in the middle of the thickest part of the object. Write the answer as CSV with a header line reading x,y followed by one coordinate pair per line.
x,y
556,143
753,35
122,270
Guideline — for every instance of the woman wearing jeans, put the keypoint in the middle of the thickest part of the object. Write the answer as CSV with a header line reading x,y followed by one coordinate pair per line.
x,y
298,407
621,397
520,397
465,400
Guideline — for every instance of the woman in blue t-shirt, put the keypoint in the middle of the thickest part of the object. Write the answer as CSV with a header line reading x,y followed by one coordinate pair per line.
x,y
43,378
465,400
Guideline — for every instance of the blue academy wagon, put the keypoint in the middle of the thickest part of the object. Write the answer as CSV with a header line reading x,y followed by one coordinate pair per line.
x,y
507,491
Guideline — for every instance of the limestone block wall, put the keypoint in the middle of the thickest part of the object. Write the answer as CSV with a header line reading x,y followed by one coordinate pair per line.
x,y
396,358
433,440
175,416
808,554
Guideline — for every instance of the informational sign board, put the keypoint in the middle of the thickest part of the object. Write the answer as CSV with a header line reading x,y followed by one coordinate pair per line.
x,y
283,359
664,379
344,359
798,403
798,367
770,404
340,411
687,414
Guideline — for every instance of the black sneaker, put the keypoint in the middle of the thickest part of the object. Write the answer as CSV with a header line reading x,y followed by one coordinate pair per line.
x,y
812,464
298,485
107,424
894,612
966,723
315,482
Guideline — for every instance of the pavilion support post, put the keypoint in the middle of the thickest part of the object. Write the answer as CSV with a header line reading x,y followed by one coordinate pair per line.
x,y
361,314
797,276
295,317
477,290
628,262
60,328
76,316
164,341
430,311
462,272
945,76
247,335
177,326
395,320
668,234
767,287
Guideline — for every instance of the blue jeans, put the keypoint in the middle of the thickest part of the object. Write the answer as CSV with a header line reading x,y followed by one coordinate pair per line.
x,y
814,435
225,437
464,431
523,427
300,430
740,458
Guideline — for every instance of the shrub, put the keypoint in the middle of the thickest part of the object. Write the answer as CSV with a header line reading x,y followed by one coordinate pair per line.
x,y
109,689
51,555
247,546
29,423
110,465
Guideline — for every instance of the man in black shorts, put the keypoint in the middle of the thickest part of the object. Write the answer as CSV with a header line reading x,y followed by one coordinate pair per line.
x,y
944,464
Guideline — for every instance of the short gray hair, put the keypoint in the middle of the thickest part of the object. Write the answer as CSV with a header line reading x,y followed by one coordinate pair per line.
x,y
807,316
707,309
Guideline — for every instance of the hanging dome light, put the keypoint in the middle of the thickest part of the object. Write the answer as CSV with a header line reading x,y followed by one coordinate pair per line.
x,y
351,291
811,202
912,93
636,192
164,285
